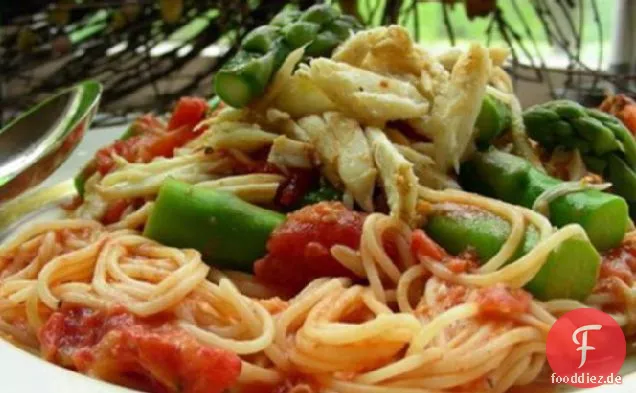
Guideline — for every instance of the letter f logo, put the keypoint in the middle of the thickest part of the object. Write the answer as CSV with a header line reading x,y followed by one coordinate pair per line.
x,y
583,344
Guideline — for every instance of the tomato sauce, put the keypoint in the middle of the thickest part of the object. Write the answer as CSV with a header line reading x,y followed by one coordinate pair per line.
x,y
424,246
149,138
622,107
116,209
150,354
618,269
620,262
300,249
501,302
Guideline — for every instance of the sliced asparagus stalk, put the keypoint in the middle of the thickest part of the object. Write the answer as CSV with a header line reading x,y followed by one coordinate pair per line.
x,y
512,179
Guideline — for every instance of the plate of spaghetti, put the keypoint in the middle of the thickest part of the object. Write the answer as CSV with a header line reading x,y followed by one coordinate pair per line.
x,y
351,213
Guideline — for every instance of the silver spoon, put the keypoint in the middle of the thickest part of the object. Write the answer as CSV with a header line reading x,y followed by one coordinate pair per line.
x,y
39,141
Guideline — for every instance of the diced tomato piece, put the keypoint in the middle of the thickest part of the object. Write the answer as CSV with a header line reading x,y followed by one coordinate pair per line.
x,y
500,301
152,354
104,161
149,137
188,112
424,246
164,145
115,211
300,249
143,147
124,148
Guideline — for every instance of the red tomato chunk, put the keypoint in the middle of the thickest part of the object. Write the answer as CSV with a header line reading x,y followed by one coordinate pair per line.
x,y
424,246
152,354
300,249
150,138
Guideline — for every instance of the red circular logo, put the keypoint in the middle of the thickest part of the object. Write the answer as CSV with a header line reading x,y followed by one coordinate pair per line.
x,y
586,348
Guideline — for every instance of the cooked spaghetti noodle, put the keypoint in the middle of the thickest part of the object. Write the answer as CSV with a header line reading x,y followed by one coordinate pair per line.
x,y
437,342
279,247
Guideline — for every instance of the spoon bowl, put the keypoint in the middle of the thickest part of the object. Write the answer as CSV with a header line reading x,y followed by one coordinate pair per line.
x,y
39,141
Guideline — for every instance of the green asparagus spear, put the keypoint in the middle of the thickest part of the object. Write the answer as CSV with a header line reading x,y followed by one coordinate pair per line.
x,y
458,227
620,132
320,28
494,118
261,40
512,179
320,14
300,33
226,230
571,272
606,146
352,21
285,17
324,42
623,179
342,28
572,267
246,76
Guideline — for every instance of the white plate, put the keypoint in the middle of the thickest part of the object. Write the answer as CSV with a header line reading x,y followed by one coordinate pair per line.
x,y
21,372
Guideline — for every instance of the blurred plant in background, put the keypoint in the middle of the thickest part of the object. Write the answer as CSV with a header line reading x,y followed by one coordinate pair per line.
x,y
149,52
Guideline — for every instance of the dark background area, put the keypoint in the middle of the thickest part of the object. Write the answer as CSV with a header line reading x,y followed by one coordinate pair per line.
x,y
147,53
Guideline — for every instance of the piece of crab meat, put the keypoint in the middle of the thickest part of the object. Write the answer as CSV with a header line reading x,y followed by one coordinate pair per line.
x,y
343,148
367,96
396,175
287,152
242,136
455,111
390,50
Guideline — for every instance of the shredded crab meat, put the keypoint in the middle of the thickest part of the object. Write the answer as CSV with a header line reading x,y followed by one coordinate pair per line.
x,y
255,188
455,111
389,50
234,135
345,154
425,169
396,174
301,97
139,180
287,152
337,114
281,80
369,97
